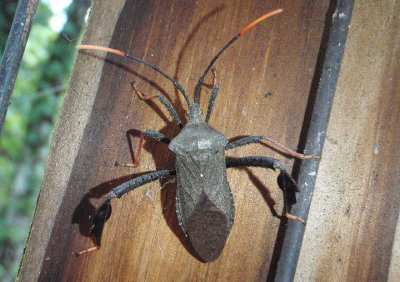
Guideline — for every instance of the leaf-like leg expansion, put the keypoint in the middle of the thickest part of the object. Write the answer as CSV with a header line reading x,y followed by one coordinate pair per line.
x,y
285,180
256,139
103,213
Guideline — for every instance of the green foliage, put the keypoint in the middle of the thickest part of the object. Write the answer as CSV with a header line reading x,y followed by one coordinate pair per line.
x,y
7,10
30,119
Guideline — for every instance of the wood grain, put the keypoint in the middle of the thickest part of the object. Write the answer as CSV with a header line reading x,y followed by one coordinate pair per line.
x,y
142,239
355,208
65,146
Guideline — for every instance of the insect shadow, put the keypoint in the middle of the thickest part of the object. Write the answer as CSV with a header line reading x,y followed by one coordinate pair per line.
x,y
181,55
158,150
85,208
225,220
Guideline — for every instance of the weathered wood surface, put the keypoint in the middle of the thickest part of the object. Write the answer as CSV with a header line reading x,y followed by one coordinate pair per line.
x,y
355,209
142,240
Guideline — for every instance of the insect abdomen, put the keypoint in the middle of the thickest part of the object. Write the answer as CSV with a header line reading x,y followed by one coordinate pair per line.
x,y
207,228
204,202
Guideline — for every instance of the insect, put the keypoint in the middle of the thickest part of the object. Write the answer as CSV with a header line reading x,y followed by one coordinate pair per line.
x,y
204,202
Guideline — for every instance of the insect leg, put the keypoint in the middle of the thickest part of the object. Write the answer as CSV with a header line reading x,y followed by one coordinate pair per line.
x,y
256,139
211,102
285,181
149,133
103,213
215,88
167,104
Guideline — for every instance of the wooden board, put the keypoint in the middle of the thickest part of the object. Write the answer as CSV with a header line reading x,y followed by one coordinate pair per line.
x,y
142,239
351,228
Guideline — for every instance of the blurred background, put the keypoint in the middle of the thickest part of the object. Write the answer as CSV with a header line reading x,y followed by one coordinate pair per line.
x,y
31,116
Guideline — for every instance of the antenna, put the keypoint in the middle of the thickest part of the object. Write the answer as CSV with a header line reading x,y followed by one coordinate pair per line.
x,y
123,54
201,80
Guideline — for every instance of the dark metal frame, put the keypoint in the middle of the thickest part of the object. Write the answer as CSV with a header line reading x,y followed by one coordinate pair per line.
x,y
338,26
14,51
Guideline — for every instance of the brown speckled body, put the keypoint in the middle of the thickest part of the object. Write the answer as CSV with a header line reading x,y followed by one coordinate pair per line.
x,y
204,202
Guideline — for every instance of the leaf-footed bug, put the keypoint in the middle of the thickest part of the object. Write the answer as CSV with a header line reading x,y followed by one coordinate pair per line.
x,y
204,202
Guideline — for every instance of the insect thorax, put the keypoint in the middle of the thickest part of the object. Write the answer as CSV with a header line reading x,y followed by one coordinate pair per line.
x,y
198,137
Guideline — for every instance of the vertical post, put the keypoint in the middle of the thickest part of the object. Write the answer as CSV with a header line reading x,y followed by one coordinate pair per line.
x,y
14,51
339,27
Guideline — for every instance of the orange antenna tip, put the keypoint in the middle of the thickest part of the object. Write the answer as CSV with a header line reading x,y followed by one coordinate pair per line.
x,y
266,16
101,48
